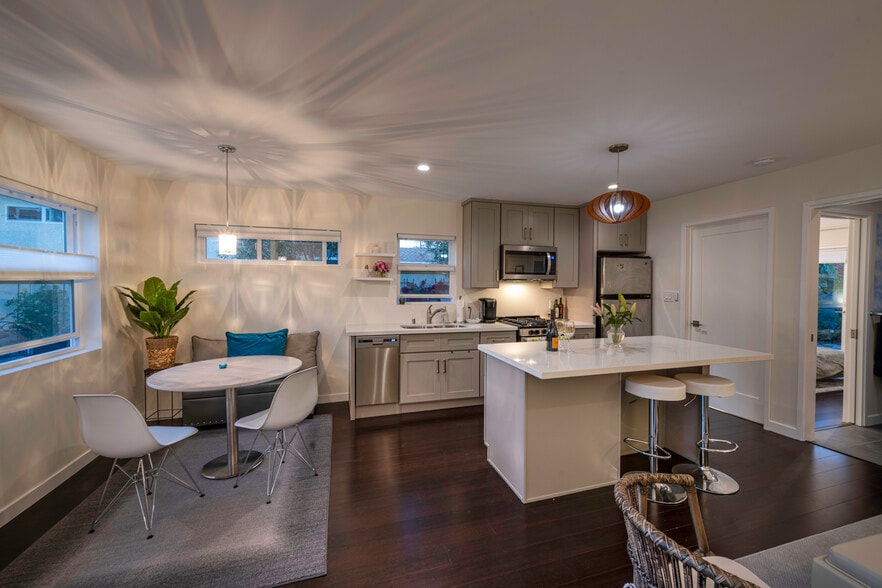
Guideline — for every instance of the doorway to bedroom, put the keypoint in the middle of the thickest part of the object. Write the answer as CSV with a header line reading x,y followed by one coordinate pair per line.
x,y
834,384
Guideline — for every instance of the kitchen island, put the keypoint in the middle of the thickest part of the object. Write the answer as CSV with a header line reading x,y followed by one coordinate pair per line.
x,y
553,420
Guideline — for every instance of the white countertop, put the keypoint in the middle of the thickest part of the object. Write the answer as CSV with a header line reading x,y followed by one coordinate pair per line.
x,y
592,357
393,329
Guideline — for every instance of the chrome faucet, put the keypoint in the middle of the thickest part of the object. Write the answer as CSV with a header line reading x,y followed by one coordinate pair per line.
x,y
430,314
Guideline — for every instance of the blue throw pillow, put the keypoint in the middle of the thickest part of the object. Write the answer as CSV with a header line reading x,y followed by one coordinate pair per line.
x,y
239,344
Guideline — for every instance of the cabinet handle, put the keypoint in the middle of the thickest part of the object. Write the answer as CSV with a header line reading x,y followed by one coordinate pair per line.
x,y
531,233
525,234
437,366
445,366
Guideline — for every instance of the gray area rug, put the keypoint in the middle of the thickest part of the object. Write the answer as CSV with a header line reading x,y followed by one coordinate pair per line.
x,y
790,565
231,537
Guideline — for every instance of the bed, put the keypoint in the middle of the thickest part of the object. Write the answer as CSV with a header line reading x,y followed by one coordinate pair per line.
x,y
830,363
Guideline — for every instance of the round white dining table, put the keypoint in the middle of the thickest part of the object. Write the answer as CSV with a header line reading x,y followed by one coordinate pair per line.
x,y
201,376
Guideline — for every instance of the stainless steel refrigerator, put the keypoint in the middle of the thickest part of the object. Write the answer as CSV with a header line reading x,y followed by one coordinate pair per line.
x,y
632,276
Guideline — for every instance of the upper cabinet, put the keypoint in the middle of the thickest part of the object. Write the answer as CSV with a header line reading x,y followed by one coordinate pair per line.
x,y
629,237
566,239
527,225
480,255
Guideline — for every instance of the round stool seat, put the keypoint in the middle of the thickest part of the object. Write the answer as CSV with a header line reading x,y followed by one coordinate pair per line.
x,y
707,385
655,387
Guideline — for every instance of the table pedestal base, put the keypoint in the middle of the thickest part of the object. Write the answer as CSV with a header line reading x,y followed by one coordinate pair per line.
x,y
219,467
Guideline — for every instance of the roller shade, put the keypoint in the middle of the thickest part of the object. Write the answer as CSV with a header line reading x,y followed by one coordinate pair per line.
x,y
20,264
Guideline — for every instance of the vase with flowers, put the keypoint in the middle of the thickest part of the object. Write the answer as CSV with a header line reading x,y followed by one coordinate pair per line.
x,y
381,268
615,318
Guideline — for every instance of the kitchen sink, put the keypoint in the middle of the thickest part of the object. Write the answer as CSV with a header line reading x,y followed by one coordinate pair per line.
x,y
435,326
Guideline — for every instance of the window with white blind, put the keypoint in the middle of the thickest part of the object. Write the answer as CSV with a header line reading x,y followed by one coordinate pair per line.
x,y
271,245
49,294
426,268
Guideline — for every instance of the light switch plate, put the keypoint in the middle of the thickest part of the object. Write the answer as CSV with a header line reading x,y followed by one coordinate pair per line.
x,y
670,296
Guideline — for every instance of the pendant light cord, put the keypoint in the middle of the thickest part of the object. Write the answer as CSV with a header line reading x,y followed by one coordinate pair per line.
x,y
228,189
227,149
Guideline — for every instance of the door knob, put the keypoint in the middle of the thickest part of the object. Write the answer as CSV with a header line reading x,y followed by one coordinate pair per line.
x,y
696,324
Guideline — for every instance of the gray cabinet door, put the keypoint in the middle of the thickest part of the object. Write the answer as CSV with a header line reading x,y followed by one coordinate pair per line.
x,y
527,225
566,239
420,378
541,225
481,226
515,224
459,375
629,237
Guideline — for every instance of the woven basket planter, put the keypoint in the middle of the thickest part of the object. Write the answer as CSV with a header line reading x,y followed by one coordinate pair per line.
x,y
161,352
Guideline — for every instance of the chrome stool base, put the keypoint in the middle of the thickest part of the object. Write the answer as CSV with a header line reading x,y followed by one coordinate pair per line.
x,y
709,480
664,493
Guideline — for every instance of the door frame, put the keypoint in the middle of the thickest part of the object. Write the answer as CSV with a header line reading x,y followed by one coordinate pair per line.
x,y
688,232
808,303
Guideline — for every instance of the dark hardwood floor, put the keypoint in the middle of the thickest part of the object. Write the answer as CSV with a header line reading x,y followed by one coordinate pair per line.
x,y
828,410
414,503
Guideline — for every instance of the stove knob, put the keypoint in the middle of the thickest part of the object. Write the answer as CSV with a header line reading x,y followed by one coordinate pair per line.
x,y
534,331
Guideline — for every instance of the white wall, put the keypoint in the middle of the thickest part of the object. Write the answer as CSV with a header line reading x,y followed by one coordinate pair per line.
x,y
785,192
40,444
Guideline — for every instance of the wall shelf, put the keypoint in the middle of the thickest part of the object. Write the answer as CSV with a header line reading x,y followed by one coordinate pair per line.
x,y
372,279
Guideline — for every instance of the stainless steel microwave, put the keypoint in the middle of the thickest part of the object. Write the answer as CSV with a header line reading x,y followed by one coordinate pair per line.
x,y
528,262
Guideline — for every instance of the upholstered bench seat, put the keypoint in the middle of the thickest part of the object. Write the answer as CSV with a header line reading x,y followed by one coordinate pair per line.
x,y
853,564
209,408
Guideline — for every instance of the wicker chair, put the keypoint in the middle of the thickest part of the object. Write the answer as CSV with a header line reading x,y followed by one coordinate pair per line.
x,y
659,561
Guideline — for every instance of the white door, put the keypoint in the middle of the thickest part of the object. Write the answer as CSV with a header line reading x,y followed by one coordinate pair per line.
x,y
730,302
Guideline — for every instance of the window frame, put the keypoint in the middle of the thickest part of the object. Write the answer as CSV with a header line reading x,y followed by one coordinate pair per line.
x,y
77,265
406,268
261,234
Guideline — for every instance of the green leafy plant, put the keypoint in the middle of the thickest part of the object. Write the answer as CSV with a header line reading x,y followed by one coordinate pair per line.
x,y
156,309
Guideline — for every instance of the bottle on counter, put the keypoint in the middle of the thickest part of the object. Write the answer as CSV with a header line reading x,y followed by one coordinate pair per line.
x,y
551,336
565,312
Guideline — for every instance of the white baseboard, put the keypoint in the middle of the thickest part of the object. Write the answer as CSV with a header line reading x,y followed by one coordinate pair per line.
x,y
339,397
27,500
786,430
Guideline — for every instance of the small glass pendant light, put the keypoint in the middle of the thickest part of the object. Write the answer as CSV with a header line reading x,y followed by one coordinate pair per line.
x,y
226,240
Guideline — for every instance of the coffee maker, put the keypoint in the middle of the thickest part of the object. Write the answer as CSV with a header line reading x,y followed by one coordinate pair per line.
x,y
488,309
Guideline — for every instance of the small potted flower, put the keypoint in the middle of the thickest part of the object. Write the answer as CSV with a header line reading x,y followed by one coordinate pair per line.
x,y
615,318
382,268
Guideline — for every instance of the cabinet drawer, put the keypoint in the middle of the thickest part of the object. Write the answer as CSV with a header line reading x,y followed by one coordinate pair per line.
x,y
420,343
457,342
504,337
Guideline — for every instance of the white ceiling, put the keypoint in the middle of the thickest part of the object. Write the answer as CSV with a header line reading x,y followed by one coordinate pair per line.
x,y
508,99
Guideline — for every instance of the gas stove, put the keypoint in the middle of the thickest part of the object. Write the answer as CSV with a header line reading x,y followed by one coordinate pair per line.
x,y
530,328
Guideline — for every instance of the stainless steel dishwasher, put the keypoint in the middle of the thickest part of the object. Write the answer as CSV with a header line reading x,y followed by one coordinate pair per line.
x,y
376,370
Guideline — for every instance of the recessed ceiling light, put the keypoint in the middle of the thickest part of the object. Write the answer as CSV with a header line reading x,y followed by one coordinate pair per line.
x,y
763,161
423,167
612,186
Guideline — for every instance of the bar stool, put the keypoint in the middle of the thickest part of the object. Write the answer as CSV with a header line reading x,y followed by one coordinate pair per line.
x,y
655,388
707,478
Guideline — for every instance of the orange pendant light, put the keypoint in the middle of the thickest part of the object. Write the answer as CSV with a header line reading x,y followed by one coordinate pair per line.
x,y
618,206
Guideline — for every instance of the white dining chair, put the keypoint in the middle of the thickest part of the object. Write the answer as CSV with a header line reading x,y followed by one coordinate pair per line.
x,y
294,400
113,427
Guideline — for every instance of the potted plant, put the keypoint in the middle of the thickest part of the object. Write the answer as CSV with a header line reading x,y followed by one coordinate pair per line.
x,y
157,310
615,318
